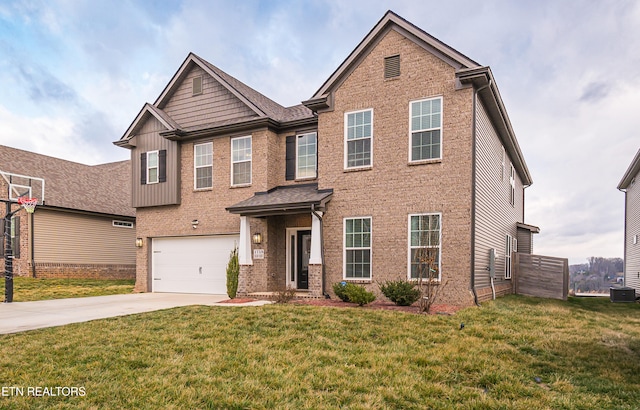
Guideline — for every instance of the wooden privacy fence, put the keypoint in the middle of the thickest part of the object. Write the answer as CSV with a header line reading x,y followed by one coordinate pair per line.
x,y
541,276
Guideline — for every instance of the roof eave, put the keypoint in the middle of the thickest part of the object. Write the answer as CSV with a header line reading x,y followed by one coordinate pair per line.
x,y
481,77
631,172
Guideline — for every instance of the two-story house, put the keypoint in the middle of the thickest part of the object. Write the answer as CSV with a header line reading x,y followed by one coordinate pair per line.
x,y
630,185
406,146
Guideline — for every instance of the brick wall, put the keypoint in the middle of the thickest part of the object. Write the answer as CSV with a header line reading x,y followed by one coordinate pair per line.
x,y
392,189
86,271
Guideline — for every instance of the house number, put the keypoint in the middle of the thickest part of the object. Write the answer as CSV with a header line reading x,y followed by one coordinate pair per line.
x,y
258,254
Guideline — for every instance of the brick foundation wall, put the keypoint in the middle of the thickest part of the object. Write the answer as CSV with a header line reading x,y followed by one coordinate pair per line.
x,y
84,271
485,294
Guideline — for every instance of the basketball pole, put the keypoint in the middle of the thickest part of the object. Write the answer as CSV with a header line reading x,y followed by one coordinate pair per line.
x,y
8,253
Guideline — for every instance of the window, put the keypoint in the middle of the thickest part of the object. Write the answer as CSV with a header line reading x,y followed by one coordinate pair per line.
x,y
203,165
358,136
241,161
122,224
502,164
197,85
152,167
392,67
424,244
306,158
426,129
635,239
512,182
357,248
507,257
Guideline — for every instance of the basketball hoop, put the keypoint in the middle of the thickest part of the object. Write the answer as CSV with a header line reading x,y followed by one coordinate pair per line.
x,y
29,204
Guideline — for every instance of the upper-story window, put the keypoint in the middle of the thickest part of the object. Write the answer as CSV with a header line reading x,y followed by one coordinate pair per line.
x,y
196,85
426,129
241,161
306,155
203,165
358,139
512,183
152,167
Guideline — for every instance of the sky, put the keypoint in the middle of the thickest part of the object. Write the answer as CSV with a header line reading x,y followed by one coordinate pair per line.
x,y
74,74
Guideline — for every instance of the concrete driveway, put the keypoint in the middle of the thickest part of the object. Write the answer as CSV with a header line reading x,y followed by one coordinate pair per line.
x,y
20,316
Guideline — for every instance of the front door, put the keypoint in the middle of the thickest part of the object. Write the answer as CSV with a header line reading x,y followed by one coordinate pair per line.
x,y
303,253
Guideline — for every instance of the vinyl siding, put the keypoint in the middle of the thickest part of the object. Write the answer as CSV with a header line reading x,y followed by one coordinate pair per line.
x,y
632,223
525,241
164,193
495,216
66,237
214,104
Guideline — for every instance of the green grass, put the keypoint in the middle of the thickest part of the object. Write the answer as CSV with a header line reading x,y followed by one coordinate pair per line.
x,y
585,352
30,289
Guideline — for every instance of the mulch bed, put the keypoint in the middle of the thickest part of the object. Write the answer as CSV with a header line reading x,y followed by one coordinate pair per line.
x,y
438,309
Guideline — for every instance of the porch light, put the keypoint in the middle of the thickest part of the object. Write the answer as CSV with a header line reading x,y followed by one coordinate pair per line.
x,y
138,242
257,238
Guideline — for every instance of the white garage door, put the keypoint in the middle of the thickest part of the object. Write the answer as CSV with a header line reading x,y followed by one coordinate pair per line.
x,y
195,264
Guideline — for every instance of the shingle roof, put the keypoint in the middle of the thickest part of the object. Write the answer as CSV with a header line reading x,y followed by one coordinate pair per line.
x,y
103,188
283,200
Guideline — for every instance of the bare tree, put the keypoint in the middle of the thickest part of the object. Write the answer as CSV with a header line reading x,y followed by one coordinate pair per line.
x,y
428,275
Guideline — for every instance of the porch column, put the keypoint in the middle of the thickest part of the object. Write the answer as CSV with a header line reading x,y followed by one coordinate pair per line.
x,y
316,241
244,247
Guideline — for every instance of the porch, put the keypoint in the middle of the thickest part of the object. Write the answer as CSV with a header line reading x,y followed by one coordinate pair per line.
x,y
280,243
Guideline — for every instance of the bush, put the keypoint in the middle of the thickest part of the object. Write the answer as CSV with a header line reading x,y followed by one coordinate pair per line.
x,y
400,292
340,289
233,270
358,294
285,295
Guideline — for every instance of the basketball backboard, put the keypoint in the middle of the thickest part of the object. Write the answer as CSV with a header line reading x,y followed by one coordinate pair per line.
x,y
13,186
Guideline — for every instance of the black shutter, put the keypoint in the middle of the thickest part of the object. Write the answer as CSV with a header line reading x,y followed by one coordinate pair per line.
x,y
291,158
162,166
143,168
15,240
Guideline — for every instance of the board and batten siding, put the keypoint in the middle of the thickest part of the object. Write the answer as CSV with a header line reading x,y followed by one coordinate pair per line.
x,y
632,227
214,104
162,193
70,238
495,217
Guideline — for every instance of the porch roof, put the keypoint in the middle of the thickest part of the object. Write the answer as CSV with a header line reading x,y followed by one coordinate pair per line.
x,y
283,200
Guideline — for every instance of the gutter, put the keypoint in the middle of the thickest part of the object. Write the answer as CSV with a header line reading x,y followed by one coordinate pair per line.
x,y
473,195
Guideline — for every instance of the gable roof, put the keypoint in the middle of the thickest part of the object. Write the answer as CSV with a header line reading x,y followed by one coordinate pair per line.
x,y
103,188
631,172
263,107
467,71
283,200
390,21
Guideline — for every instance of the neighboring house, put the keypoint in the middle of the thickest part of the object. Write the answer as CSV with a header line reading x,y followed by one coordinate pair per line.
x,y
630,185
407,139
86,225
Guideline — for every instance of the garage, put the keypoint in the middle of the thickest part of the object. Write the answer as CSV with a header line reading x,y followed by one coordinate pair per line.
x,y
194,264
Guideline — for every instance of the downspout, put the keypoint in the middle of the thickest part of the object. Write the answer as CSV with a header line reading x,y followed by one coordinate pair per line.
x,y
313,211
624,255
473,195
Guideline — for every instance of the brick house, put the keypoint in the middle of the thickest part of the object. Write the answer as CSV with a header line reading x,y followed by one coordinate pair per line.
x,y
631,188
408,138
83,226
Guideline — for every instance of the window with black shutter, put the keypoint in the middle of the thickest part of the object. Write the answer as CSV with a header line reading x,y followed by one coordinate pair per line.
x,y
291,158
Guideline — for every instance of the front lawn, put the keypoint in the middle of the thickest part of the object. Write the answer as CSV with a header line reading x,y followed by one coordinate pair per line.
x,y
30,289
513,353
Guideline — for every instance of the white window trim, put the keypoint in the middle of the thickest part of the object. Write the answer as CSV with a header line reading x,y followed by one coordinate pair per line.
x,y
512,182
346,151
157,167
344,248
441,128
507,256
195,167
409,247
635,239
297,139
122,224
238,162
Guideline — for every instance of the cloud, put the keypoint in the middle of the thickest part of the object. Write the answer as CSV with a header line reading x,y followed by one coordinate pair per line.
x,y
44,86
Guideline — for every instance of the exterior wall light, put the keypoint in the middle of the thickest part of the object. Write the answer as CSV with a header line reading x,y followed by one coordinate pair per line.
x,y
257,238
195,223
138,242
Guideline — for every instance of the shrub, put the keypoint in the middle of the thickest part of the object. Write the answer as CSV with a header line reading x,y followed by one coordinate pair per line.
x,y
400,292
358,294
285,295
340,289
233,270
